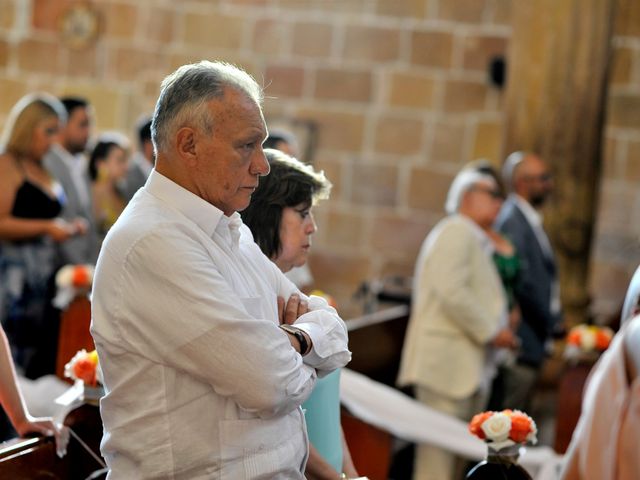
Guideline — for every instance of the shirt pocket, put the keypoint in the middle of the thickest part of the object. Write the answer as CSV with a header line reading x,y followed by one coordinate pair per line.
x,y
263,448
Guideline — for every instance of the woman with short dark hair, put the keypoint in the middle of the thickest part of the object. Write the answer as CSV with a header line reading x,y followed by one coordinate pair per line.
x,y
281,220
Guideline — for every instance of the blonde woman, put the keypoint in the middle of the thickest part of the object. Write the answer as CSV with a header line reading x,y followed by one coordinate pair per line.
x,y
30,202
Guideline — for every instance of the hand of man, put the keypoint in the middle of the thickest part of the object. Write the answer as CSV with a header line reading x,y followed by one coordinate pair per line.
x,y
505,339
294,308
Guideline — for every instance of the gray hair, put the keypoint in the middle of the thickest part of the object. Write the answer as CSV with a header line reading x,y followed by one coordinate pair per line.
x,y
185,93
510,166
464,181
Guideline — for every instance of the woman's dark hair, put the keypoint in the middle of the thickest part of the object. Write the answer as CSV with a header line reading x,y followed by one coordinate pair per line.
x,y
289,183
99,153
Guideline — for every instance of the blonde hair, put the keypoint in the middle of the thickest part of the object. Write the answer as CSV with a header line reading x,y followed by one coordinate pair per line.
x,y
24,118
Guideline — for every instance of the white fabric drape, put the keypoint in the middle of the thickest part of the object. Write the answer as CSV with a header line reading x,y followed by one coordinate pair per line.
x,y
405,418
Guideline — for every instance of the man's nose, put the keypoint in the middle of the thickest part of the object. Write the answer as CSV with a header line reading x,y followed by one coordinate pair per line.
x,y
259,163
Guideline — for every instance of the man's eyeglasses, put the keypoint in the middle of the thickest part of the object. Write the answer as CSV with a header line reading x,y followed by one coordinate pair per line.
x,y
543,177
495,194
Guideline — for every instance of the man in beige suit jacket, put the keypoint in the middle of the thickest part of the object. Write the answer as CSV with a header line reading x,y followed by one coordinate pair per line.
x,y
459,314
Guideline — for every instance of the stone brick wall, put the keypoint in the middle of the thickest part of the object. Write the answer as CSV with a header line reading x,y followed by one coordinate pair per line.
x,y
398,91
617,243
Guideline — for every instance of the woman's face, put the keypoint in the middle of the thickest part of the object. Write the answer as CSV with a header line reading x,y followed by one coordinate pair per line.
x,y
296,227
44,136
114,166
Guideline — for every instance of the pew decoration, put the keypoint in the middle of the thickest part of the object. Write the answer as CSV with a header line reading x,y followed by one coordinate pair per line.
x,y
72,281
330,300
586,342
504,433
84,369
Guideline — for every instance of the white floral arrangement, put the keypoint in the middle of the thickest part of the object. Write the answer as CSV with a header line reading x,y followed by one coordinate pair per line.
x,y
72,281
504,429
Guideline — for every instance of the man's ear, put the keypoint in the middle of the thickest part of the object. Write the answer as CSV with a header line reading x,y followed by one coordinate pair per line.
x,y
186,145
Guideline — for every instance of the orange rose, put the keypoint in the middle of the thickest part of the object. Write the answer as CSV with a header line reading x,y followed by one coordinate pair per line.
x,y
603,339
520,427
574,337
85,369
80,276
475,425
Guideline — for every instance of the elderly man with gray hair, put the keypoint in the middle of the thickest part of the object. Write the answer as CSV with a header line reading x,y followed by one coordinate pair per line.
x,y
204,366
458,315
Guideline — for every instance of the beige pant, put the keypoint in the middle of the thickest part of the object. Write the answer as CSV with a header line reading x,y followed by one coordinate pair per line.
x,y
433,463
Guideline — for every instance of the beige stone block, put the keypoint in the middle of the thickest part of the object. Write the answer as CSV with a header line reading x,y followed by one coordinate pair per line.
x,y
47,14
12,90
431,48
372,43
128,63
398,134
340,84
411,90
269,36
633,162
39,56
284,81
465,11
333,170
213,30
322,7
502,12
609,281
609,160
405,8
623,110
312,39
428,189
4,53
343,229
160,25
84,62
488,141
448,143
121,20
621,66
464,96
374,185
398,235
108,102
479,50
627,21
337,130
7,19
338,269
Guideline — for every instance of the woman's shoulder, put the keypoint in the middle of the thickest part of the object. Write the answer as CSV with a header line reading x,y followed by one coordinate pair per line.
x,y
11,175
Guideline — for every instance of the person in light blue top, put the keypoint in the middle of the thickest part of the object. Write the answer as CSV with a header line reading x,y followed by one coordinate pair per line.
x,y
281,220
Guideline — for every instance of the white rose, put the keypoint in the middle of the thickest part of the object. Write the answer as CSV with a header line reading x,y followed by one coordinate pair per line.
x,y
588,340
497,427
64,276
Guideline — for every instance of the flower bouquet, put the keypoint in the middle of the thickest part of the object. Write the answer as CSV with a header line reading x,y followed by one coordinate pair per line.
x,y
587,341
84,369
72,281
505,433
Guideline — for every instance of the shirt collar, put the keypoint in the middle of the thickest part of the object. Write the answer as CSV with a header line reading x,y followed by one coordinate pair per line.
x,y
70,160
481,235
202,213
531,214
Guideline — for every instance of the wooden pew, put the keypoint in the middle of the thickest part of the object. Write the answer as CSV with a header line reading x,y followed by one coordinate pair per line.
x,y
74,332
36,459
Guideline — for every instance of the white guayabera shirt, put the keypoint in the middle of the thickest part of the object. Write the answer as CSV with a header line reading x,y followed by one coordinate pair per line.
x,y
200,381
